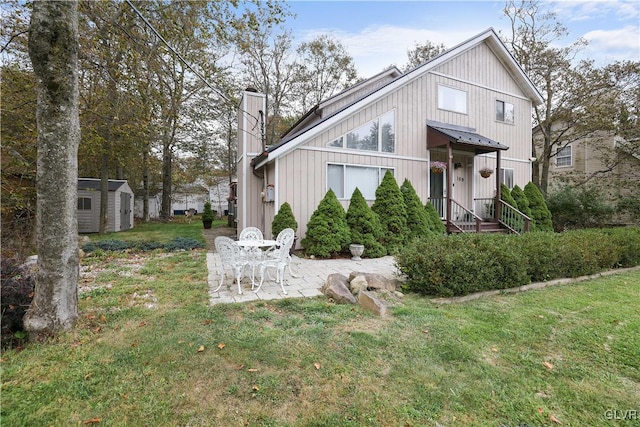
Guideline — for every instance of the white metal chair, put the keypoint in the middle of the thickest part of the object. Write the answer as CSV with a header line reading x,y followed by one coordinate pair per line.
x,y
232,256
287,233
278,259
253,254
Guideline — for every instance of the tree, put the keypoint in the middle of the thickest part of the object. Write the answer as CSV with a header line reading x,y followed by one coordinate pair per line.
x,y
421,53
435,222
53,49
389,206
418,222
539,211
364,226
283,219
327,229
521,200
323,68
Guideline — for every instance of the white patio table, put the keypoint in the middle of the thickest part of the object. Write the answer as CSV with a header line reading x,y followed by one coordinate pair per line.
x,y
254,253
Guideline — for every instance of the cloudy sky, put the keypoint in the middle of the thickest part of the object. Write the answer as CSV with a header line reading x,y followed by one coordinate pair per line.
x,y
379,33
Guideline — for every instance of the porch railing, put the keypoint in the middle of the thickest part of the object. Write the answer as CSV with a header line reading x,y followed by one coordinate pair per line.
x,y
510,217
462,219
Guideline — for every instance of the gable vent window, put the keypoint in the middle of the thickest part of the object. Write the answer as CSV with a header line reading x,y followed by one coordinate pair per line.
x,y
377,135
452,99
563,158
505,112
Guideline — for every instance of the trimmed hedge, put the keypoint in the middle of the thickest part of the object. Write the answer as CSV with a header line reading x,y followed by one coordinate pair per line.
x,y
457,265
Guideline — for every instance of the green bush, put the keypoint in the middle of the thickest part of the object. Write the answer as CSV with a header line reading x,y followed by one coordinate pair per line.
x,y
207,213
505,195
283,219
389,206
327,230
418,223
521,199
364,226
460,264
573,208
539,211
435,222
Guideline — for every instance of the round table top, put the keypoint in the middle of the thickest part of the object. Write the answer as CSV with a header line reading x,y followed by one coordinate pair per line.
x,y
256,243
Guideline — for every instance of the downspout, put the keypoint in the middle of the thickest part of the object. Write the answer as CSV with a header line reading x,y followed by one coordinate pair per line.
x,y
449,181
264,171
498,188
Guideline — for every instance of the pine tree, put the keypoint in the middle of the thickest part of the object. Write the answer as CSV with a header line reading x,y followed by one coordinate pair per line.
x,y
327,230
364,226
521,199
505,195
539,211
389,206
435,222
283,219
418,223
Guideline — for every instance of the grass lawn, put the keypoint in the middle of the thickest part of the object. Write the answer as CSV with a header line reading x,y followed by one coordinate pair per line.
x,y
148,351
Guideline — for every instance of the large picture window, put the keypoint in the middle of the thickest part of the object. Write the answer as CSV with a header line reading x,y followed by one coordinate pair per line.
x,y
564,156
452,99
376,135
505,112
343,180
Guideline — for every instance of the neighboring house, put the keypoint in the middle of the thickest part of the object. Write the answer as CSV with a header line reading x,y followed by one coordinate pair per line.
x,y
154,201
601,160
469,107
189,196
119,209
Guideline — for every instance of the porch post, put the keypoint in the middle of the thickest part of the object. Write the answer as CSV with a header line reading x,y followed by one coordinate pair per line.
x,y
498,189
449,181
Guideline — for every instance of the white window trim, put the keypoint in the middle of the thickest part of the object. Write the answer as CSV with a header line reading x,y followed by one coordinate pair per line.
x,y
379,149
504,104
344,182
570,156
503,176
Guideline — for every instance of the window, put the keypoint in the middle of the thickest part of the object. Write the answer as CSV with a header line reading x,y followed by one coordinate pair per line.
x,y
452,99
506,177
376,135
343,180
84,203
504,112
563,157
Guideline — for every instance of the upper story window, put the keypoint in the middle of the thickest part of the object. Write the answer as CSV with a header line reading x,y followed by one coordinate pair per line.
x,y
564,156
84,203
377,135
452,99
504,112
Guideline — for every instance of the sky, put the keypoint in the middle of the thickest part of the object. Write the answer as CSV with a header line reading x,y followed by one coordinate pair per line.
x,y
379,33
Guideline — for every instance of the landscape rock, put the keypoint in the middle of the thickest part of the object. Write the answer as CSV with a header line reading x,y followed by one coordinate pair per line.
x,y
375,281
337,287
358,284
370,302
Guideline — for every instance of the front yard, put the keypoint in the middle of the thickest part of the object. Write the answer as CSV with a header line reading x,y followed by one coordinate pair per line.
x,y
148,350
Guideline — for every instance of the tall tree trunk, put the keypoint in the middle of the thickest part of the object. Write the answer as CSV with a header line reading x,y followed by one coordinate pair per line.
x,y
104,189
167,167
145,183
53,49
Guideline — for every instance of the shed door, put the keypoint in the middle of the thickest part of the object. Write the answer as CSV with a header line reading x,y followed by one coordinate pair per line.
x,y
125,211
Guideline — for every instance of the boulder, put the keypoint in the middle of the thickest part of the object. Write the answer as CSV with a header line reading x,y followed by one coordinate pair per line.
x,y
370,302
358,284
375,281
337,287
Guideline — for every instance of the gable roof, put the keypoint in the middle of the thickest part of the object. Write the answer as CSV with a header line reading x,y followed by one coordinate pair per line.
x,y
490,37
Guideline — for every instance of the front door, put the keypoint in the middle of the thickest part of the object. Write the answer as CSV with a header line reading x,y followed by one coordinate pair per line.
x,y
438,191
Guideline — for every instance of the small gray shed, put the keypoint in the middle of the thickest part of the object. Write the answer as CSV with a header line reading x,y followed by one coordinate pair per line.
x,y
119,210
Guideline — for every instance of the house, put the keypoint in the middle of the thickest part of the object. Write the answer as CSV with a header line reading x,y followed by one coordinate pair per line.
x,y
602,160
119,209
197,193
469,107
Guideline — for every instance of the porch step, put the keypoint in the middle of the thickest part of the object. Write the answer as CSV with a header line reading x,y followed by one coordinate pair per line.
x,y
485,227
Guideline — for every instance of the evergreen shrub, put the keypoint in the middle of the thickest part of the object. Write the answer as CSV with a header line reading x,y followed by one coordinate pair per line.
x,y
207,213
539,211
505,195
389,206
364,226
521,199
327,229
283,219
418,223
435,222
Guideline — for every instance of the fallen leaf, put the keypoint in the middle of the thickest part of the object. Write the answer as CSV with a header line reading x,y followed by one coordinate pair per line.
x,y
540,410
181,342
92,421
98,329
200,349
239,368
317,365
548,365
86,377
255,387
494,349
141,324
221,345
103,318
554,419
252,370
207,322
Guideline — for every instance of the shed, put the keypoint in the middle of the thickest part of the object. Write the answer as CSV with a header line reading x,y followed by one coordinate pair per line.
x,y
119,210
